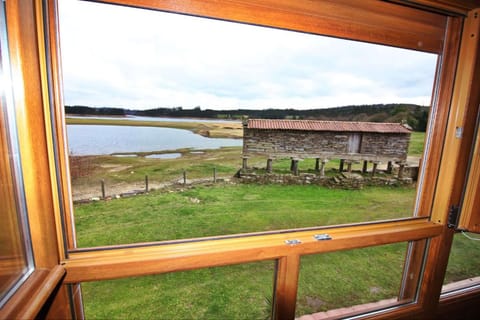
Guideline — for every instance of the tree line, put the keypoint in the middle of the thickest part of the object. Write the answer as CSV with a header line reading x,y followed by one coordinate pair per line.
x,y
414,115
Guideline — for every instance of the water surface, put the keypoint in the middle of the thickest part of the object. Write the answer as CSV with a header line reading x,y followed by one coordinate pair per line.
x,y
100,140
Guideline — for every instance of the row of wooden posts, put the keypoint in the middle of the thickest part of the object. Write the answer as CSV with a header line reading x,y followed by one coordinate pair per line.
x,y
389,170
320,166
184,181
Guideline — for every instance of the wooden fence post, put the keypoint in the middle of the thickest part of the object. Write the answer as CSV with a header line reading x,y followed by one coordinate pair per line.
x,y
389,167
244,163
401,170
342,162
214,175
295,167
365,166
322,167
374,169
349,166
146,183
269,165
103,188
184,177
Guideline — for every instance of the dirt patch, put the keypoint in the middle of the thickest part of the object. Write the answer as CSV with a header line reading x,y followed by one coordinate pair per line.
x,y
115,167
88,192
314,303
85,193
375,290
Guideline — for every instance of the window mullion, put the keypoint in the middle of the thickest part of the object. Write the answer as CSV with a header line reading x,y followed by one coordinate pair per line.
x,y
455,154
286,285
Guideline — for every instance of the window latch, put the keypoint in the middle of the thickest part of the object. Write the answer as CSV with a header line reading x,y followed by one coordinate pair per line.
x,y
293,242
323,236
453,214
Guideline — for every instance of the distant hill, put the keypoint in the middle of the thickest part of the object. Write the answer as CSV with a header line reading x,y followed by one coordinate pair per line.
x,y
414,115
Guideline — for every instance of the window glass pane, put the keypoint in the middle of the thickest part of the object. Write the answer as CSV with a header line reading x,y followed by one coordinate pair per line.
x,y
463,263
15,252
233,292
214,210
13,257
367,279
155,107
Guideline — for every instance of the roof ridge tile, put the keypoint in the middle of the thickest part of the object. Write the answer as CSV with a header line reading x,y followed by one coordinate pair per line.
x,y
326,125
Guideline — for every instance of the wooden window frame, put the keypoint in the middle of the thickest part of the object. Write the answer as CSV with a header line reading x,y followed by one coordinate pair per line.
x,y
18,260
29,84
441,35
33,32
469,215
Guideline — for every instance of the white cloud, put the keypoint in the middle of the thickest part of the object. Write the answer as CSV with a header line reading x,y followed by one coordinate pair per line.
x,y
118,56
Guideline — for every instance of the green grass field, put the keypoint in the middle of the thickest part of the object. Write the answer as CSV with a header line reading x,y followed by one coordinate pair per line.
x,y
417,140
242,291
221,293
226,209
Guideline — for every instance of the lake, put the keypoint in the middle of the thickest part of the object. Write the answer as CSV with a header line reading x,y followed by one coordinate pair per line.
x,y
100,140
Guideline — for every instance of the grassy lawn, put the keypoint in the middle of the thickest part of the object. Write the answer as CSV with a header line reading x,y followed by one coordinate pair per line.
x,y
239,291
226,209
232,292
326,281
464,260
346,278
243,291
417,140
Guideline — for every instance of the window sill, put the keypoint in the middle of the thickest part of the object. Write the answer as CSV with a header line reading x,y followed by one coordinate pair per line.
x,y
459,288
32,295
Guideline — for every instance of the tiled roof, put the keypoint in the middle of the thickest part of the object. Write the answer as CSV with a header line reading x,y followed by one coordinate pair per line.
x,y
319,125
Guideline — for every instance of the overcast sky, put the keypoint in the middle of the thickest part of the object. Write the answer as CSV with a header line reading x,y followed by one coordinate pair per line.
x,y
139,59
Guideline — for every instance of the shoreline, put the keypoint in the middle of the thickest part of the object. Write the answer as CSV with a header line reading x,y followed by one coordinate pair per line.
x,y
208,129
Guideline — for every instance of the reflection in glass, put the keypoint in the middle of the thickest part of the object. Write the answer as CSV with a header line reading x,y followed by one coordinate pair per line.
x,y
367,278
463,263
14,263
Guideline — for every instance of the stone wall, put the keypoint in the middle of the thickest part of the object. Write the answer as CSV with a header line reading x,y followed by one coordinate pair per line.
x,y
326,145
344,180
386,144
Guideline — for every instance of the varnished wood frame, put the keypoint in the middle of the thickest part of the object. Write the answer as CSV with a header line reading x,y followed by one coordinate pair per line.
x,y
30,98
16,257
367,20
32,66
470,208
126,262
470,216
287,276
447,7
30,299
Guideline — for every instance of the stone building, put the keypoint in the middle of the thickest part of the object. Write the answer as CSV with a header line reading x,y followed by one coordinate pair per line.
x,y
326,140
